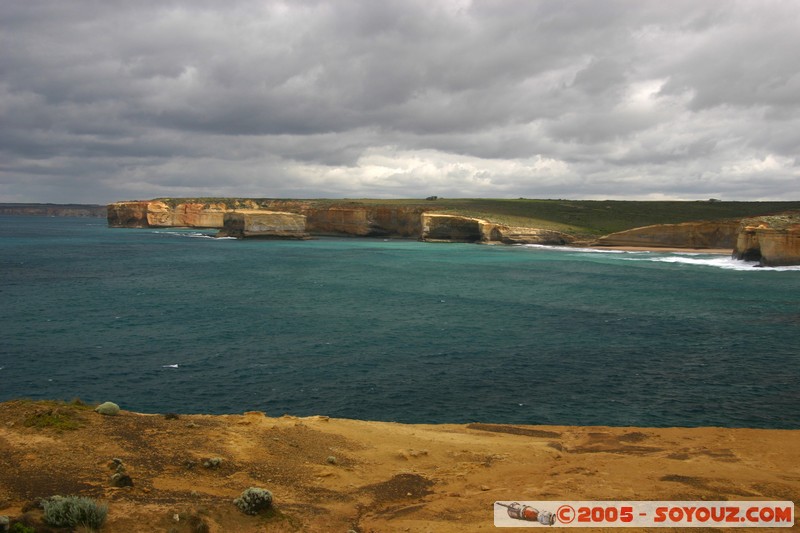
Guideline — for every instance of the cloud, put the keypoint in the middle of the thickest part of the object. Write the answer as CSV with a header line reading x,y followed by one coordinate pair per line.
x,y
102,101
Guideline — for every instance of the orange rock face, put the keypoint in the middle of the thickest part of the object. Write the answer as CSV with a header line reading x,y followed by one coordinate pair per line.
x,y
127,215
771,240
718,234
521,235
328,220
189,215
264,224
364,221
451,228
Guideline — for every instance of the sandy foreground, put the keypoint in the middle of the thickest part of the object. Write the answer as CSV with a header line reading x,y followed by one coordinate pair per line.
x,y
337,475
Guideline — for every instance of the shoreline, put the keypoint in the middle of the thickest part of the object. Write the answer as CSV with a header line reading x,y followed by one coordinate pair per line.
x,y
654,249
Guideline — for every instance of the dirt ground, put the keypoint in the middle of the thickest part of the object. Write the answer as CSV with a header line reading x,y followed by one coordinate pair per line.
x,y
336,475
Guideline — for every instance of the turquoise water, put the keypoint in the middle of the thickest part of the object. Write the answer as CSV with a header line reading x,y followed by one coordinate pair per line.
x,y
175,321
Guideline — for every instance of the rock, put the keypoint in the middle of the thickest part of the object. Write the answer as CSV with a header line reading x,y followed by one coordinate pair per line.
x,y
451,228
331,460
186,214
264,224
127,215
770,240
121,479
213,462
254,500
108,408
4,523
362,220
704,234
520,235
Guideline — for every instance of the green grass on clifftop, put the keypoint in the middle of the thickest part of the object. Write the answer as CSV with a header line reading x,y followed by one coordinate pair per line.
x,y
583,218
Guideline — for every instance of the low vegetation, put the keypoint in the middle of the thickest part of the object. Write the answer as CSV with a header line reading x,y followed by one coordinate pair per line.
x,y
60,416
254,500
74,511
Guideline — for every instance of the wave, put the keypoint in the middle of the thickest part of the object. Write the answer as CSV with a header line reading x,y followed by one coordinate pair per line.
x,y
190,234
723,262
574,249
169,366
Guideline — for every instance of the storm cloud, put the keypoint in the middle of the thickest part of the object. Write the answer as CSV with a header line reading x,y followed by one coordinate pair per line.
x,y
104,100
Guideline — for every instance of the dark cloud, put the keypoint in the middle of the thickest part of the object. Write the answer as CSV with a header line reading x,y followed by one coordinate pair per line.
x,y
684,99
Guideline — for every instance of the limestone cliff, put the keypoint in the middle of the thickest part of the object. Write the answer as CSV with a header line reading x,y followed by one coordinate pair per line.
x,y
170,213
455,228
365,221
128,214
321,218
521,235
704,234
264,224
451,228
188,215
770,240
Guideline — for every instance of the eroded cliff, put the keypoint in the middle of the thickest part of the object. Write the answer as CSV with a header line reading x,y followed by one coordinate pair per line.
x,y
128,214
770,240
703,234
365,221
438,227
319,218
773,241
259,223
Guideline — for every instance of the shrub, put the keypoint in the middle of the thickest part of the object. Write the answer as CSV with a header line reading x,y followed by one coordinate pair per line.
x,y
74,511
108,408
56,418
254,500
19,527
214,462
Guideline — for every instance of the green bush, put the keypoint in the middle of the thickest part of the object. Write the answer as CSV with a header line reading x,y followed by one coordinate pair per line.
x,y
19,527
56,418
74,511
254,500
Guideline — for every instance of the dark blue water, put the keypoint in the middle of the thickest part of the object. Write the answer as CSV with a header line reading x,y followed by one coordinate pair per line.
x,y
173,321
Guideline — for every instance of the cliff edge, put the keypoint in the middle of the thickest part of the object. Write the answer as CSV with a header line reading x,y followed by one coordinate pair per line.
x,y
770,240
183,471
698,235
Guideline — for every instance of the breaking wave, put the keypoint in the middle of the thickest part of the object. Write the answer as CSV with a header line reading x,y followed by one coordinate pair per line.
x,y
190,234
717,261
701,259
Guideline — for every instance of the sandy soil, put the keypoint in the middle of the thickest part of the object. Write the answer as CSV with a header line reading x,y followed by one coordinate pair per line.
x,y
335,475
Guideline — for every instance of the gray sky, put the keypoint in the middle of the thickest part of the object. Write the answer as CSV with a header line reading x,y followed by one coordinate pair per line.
x,y
105,100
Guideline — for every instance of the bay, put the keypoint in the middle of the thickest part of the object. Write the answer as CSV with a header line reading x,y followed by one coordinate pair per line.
x,y
167,320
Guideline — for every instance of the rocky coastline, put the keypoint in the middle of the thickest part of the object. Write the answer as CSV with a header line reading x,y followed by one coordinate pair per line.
x,y
771,240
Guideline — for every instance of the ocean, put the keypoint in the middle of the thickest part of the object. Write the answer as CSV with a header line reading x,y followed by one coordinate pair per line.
x,y
168,320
